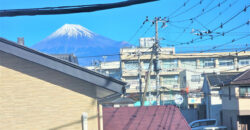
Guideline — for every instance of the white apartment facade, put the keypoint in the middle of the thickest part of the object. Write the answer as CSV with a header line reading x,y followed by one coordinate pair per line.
x,y
173,64
178,71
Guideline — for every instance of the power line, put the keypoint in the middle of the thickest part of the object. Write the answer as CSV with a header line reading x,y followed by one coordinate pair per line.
x,y
230,19
69,9
147,30
223,11
211,36
185,11
178,9
232,41
202,13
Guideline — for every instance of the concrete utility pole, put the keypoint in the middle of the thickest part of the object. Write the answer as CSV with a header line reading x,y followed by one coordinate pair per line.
x,y
139,74
147,75
157,65
155,51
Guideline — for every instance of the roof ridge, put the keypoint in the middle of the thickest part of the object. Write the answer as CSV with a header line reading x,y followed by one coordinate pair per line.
x,y
240,75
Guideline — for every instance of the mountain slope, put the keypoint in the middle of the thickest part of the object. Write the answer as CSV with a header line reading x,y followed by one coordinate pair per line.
x,y
71,38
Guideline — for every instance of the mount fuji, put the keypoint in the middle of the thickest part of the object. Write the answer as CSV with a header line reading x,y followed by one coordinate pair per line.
x,y
80,41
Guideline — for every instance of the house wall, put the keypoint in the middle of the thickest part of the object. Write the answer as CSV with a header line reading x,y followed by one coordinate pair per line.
x,y
227,101
244,106
34,97
230,107
230,119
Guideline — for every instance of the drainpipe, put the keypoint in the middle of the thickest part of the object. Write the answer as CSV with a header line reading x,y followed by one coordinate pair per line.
x,y
85,121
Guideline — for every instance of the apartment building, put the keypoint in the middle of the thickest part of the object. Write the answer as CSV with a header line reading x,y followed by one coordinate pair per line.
x,y
172,67
179,72
111,69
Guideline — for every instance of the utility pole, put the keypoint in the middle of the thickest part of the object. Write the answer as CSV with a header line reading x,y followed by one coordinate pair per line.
x,y
155,51
139,74
148,74
157,65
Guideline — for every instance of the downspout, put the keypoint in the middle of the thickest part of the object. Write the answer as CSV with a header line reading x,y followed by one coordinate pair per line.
x,y
98,114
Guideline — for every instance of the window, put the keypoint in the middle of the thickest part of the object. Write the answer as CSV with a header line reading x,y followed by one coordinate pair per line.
x,y
131,65
170,80
188,63
245,91
169,64
226,62
195,78
146,65
197,124
244,62
207,62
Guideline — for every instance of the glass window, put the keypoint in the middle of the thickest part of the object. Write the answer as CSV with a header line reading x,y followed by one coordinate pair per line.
x,y
169,64
146,65
212,122
244,62
226,62
188,63
197,124
131,65
195,78
207,62
245,91
170,80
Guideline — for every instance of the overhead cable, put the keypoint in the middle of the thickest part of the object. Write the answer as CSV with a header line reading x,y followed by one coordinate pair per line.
x,y
69,9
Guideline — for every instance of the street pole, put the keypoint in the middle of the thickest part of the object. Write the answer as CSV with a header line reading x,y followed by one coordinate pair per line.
x,y
155,51
139,74
157,78
147,75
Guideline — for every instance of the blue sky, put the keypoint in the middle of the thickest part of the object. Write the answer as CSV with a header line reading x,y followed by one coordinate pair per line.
x,y
120,24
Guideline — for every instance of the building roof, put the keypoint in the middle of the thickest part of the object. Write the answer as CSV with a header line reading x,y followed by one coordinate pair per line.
x,y
100,80
144,118
242,79
220,79
68,57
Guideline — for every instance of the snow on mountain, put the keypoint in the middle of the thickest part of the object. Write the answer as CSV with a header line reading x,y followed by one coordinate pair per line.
x,y
72,30
71,38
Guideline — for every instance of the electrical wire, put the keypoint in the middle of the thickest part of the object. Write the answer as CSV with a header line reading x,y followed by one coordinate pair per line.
x,y
185,11
197,40
69,9
201,14
178,9
230,19
223,11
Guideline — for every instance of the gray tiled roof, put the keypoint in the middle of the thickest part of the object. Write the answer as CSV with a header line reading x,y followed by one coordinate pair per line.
x,y
242,79
221,79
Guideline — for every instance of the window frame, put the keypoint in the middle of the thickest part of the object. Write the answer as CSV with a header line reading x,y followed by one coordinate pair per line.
x,y
195,79
246,94
225,62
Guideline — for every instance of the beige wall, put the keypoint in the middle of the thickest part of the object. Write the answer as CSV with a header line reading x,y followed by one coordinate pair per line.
x,y
34,97
244,106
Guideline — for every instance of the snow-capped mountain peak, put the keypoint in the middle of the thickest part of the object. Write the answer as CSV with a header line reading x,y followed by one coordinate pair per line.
x,y
72,30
